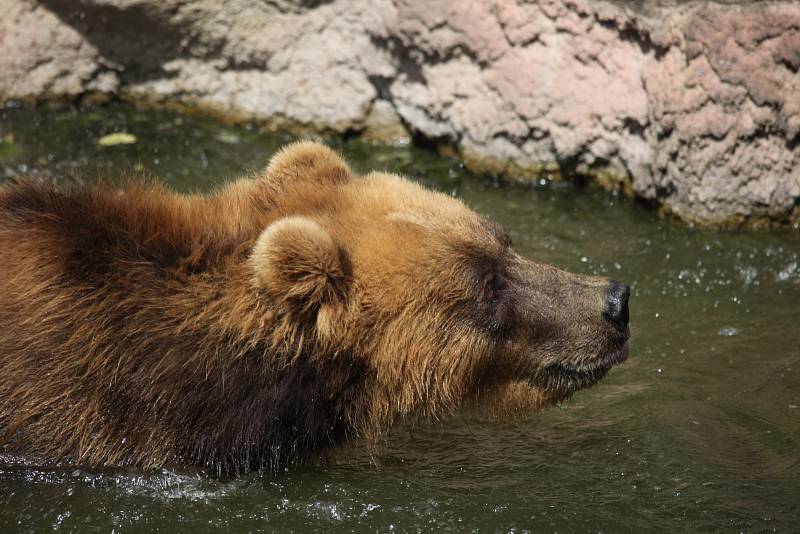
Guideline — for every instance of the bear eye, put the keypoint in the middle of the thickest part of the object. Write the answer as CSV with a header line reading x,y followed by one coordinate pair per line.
x,y
495,285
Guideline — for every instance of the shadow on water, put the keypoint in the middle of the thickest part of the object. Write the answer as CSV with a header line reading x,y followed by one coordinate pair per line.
x,y
698,431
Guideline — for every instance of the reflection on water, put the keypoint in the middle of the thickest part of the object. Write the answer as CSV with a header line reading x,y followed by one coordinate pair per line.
x,y
699,430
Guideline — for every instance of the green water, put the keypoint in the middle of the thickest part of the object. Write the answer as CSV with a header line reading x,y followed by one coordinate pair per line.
x,y
698,431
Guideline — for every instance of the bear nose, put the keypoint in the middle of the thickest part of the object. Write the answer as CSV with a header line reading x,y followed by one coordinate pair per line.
x,y
616,310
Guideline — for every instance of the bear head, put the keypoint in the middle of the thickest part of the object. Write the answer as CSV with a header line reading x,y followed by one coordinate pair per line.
x,y
425,294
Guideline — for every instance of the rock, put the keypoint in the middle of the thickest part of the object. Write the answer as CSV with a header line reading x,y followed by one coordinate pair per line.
x,y
691,104
383,125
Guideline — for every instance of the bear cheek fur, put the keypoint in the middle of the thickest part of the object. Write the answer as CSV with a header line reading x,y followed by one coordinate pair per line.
x,y
428,354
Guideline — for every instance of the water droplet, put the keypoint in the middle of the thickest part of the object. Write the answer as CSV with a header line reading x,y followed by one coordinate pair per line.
x,y
787,272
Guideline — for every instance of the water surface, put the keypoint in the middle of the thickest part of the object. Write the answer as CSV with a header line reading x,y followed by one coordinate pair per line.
x,y
698,431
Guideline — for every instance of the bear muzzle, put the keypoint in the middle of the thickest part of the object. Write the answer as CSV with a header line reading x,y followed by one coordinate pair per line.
x,y
577,326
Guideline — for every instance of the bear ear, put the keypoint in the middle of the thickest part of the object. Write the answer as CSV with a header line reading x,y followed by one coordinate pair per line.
x,y
307,161
297,261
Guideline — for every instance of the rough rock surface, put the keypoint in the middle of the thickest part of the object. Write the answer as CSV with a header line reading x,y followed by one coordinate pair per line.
x,y
695,105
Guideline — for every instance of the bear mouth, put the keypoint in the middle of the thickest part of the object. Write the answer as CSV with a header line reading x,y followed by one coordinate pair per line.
x,y
568,377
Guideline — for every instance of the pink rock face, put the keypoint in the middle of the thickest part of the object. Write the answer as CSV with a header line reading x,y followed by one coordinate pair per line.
x,y
695,105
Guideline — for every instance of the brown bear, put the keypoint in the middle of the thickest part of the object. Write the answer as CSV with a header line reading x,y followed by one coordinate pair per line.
x,y
278,316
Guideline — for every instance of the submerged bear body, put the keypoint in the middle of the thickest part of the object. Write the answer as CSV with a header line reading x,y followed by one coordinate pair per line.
x,y
276,317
